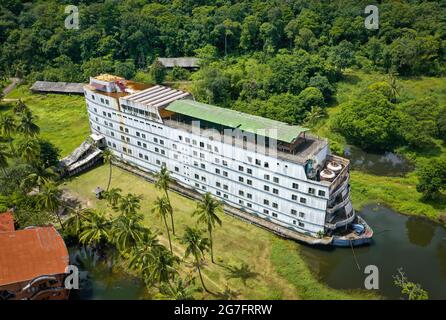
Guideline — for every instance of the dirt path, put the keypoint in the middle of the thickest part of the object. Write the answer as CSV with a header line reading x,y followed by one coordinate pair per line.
x,y
11,86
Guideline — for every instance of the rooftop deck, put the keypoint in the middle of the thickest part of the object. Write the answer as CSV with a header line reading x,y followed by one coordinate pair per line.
x,y
309,147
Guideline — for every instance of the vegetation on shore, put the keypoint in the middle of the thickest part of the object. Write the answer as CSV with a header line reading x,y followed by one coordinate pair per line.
x,y
236,243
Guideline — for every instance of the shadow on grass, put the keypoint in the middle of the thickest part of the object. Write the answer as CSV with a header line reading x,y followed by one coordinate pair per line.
x,y
242,272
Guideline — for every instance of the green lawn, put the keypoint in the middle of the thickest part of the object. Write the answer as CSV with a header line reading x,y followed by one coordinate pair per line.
x,y
280,271
63,119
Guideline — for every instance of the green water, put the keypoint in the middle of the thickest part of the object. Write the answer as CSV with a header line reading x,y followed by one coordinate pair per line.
x,y
415,244
99,281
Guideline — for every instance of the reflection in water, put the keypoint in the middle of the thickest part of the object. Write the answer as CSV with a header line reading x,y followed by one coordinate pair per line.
x,y
420,231
388,164
416,246
98,280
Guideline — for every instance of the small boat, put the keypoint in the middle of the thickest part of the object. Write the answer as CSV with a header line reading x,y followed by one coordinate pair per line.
x,y
357,234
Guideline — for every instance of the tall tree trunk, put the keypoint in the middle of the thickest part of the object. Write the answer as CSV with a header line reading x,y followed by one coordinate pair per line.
x,y
168,234
212,244
109,176
201,277
171,211
60,220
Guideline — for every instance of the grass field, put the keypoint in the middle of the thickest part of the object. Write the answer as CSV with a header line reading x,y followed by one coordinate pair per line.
x,y
63,119
278,271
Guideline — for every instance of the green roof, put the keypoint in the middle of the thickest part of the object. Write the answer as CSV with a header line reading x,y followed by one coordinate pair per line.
x,y
236,119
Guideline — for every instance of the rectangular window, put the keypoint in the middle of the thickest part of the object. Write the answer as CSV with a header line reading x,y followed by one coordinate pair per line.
x,y
249,182
276,180
240,179
217,171
295,186
266,188
258,162
225,163
275,205
265,211
201,144
249,171
276,191
249,205
240,168
294,197
249,195
303,200
311,191
241,193
266,176
301,215
274,215
301,224
225,173
293,212
265,202
266,165
321,193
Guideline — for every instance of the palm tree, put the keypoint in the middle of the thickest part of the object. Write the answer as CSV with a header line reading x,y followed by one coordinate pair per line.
x,y
129,204
7,128
108,157
39,176
127,231
207,214
49,199
20,107
314,115
196,245
393,84
28,149
162,207
179,289
27,126
3,159
142,254
113,196
95,228
163,266
162,183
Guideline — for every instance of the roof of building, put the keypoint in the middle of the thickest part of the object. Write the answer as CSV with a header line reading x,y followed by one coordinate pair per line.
x,y
108,77
236,119
6,222
30,253
184,62
58,87
157,96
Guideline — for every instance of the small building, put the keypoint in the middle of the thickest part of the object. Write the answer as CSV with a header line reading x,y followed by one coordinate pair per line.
x,y
58,87
183,62
33,262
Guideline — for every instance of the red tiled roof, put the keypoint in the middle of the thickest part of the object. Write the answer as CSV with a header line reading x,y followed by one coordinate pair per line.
x,y
6,222
27,254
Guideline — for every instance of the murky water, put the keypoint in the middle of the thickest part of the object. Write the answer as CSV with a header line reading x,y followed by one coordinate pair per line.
x,y
98,281
386,164
415,244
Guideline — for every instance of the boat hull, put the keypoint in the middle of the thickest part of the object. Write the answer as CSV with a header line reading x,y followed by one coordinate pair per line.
x,y
354,240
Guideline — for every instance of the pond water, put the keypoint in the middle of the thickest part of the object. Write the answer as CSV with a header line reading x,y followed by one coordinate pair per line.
x,y
98,281
414,244
386,164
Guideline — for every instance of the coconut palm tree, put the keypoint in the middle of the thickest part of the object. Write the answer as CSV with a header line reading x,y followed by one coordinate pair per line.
x,y
163,180
393,84
179,289
20,107
314,115
108,157
129,204
142,254
27,125
196,245
113,196
163,266
207,211
7,128
4,155
127,231
161,207
39,176
95,228
49,199
28,149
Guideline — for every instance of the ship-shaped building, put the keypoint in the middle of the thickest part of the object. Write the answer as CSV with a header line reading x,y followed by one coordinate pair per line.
x,y
269,169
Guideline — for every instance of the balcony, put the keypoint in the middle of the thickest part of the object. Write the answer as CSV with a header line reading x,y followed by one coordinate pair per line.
x,y
341,218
